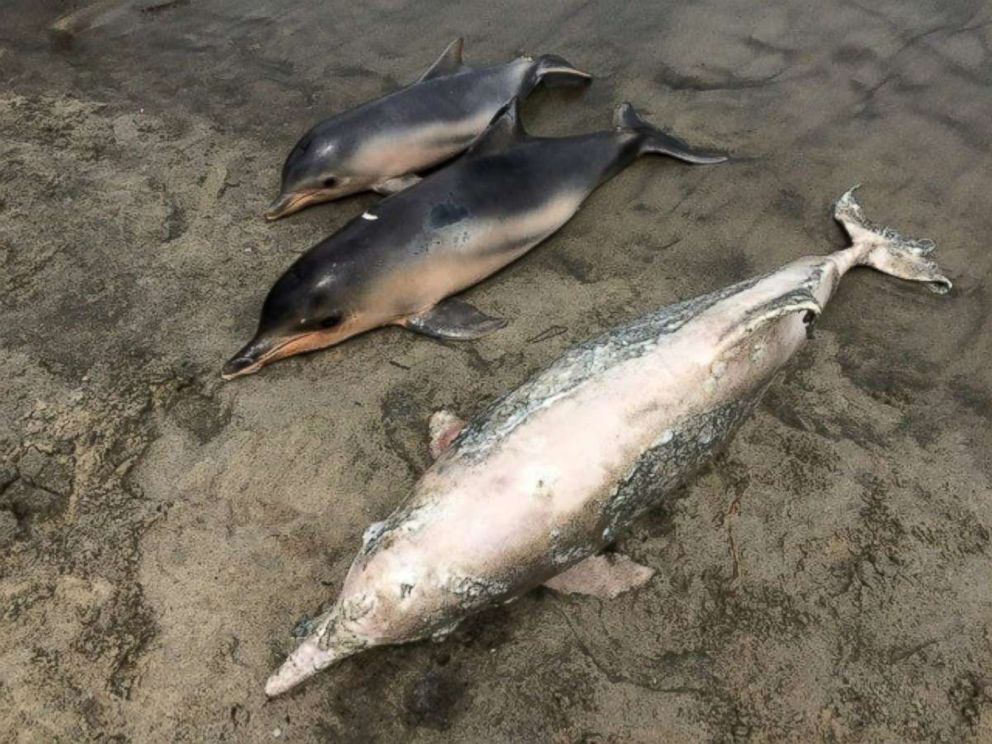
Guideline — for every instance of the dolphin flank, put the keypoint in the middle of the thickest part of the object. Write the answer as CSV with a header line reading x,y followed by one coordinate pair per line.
x,y
396,263
383,143
532,489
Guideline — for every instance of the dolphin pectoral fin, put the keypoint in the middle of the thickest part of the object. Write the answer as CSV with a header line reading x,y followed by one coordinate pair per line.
x,y
394,185
448,63
443,427
603,576
454,320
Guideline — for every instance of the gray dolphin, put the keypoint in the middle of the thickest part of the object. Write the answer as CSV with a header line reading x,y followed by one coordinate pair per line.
x,y
534,487
381,144
397,262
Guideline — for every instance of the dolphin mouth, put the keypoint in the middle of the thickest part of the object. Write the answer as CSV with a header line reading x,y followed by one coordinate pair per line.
x,y
258,353
293,201
239,367
251,358
302,664
287,204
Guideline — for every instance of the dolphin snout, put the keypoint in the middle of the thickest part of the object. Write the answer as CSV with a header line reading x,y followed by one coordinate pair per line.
x,y
249,359
282,206
236,367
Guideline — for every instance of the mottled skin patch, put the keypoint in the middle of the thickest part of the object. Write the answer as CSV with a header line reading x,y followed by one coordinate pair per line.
x,y
658,472
447,214
580,364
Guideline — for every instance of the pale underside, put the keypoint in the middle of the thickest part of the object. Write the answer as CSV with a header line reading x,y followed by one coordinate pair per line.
x,y
461,255
411,150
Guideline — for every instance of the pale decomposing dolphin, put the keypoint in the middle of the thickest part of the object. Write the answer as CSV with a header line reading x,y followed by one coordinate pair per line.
x,y
397,262
538,484
382,145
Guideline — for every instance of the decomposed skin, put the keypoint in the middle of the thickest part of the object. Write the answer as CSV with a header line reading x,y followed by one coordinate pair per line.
x,y
534,487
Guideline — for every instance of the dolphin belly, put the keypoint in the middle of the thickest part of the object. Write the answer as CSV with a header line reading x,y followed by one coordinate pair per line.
x,y
415,146
457,244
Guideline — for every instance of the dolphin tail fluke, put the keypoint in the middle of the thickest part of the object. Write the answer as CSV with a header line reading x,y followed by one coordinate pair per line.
x,y
886,250
655,141
554,71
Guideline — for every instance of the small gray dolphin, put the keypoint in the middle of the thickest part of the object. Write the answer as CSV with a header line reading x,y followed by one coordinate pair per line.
x,y
397,262
381,144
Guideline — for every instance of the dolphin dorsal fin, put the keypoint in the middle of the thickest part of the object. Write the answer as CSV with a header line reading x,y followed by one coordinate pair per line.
x,y
448,63
503,132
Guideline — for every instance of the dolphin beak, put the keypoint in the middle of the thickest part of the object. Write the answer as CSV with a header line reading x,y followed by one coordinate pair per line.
x,y
238,366
250,359
285,204
303,663
294,201
263,350
329,643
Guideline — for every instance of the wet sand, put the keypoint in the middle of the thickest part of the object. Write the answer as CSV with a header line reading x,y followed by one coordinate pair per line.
x,y
162,532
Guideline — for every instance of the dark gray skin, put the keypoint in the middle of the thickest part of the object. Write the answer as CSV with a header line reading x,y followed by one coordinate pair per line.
x,y
381,144
398,262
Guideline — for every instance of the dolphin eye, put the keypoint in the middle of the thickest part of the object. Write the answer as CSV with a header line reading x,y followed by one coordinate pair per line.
x,y
330,321
329,182
320,324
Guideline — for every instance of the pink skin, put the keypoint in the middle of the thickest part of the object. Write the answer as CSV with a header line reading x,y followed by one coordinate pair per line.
x,y
481,516
480,530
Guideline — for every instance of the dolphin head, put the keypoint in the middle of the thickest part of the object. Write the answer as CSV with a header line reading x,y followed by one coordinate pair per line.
x,y
308,308
316,170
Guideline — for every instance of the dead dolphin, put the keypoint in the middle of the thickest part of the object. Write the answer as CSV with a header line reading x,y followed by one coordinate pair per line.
x,y
381,144
534,487
397,262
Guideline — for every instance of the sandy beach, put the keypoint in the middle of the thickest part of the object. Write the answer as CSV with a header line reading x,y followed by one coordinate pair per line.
x,y
162,532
